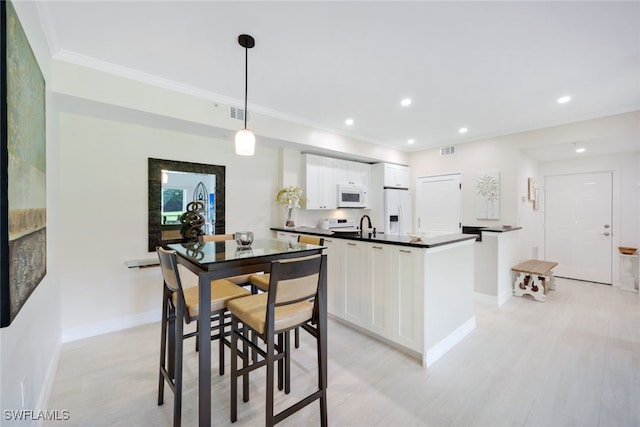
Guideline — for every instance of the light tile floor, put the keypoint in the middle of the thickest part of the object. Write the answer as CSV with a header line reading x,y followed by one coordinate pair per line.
x,y
573,360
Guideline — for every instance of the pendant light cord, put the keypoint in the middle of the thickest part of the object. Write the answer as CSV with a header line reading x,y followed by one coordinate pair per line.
x,y
246,83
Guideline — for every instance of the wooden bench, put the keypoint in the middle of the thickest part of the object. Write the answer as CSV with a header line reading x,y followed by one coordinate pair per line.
x,y
533,278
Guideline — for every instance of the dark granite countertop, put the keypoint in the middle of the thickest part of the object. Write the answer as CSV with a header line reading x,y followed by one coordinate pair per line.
x,y
425,242
502,229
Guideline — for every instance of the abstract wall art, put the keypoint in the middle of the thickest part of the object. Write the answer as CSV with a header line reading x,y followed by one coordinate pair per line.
x,y
23,214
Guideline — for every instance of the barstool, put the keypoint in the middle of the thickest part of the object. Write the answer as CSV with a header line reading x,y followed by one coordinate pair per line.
x,y
180,305
261,281
296,298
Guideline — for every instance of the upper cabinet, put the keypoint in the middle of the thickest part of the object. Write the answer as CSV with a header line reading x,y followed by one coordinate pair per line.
x,y
396,176
322,175
319,182
351,173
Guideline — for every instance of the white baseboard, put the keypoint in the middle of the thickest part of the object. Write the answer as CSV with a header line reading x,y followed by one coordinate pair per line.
x,y
438,350
112,325
485,299
45,392
504,297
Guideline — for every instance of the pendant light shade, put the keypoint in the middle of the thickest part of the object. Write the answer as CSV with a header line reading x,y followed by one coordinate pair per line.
x,y
245,142
245,139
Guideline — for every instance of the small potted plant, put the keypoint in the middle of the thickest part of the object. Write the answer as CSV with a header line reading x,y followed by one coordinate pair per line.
x,y
291,198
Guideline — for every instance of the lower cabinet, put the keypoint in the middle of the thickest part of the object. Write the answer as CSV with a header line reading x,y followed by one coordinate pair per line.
x,y
379,288
355,282
335,275
407,297
283,235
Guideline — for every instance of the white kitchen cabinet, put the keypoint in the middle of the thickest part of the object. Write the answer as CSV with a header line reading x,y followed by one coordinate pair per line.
x,y
396,176
407,304
379,289
352,173
319,182
283,235
355,282
335,276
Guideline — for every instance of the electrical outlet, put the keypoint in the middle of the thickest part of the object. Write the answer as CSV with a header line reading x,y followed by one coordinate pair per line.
x,y
24,391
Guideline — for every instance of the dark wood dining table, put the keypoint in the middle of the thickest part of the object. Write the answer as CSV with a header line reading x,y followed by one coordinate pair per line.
x,y
215,260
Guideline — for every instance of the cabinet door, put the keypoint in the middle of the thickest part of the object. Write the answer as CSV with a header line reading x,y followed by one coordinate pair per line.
x,y
312,181
402,176
407,297
355,280
379,295
335,276
328,188
396,176
359,174
341,172
283,235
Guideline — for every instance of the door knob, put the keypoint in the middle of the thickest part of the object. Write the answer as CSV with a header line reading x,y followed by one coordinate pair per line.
x,y
606,233
606,226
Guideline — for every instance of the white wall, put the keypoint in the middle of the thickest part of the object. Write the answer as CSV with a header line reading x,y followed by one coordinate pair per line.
x,y
626,199
103,205
30,345
507,155
498,154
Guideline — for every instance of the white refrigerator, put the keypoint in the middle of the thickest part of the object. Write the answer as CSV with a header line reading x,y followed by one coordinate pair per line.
x,y
398,212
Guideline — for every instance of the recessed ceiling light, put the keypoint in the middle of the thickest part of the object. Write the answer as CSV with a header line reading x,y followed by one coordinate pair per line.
x,y
564,99
411,141
581,150
406,102
463,130
348,122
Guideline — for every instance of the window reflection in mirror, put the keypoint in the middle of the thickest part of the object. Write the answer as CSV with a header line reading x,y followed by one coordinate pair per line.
x,y
172,185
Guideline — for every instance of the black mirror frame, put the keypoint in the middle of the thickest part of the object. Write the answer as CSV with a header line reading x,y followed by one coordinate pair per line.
x,y
155,168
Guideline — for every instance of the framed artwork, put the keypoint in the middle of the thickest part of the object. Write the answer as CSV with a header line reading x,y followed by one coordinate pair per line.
x,y
488,195
531,183
536,199
23,215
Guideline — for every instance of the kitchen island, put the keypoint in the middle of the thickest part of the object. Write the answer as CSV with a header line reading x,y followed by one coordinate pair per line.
x,y
415,296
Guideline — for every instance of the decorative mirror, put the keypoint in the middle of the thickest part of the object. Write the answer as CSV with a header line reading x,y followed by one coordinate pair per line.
x,y
172,186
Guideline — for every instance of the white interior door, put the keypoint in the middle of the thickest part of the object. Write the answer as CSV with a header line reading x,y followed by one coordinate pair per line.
x,y
438,203
578,225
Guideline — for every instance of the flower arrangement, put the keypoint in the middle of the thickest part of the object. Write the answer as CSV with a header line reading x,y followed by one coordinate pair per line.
x,y
291,197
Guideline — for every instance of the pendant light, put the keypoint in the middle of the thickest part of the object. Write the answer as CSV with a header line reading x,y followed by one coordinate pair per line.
x,y
245,139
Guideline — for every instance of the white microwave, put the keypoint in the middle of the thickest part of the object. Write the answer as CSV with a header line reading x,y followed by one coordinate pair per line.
x,y
351,196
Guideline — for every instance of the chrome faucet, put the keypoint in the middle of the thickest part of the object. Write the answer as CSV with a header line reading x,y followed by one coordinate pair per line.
x,y
368,221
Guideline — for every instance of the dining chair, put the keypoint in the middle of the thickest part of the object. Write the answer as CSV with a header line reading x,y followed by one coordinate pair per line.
x,y
241,280
261,281
181,305
292,301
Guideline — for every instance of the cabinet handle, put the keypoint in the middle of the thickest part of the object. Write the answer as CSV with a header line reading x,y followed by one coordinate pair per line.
x,y
376,247
351,244
405,251
329,241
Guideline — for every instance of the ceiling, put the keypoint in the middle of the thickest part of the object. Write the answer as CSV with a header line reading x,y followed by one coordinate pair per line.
x,y
495,68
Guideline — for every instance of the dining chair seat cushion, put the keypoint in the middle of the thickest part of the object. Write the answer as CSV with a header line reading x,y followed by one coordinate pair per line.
x,y
251,310
261,281
222,291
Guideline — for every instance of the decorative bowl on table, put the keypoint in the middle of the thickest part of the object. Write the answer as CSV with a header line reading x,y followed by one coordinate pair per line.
x,y
243,238
625,250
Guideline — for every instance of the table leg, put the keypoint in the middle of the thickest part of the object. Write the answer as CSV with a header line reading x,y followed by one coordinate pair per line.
x,y
529,284
204,355
520,285
551,283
